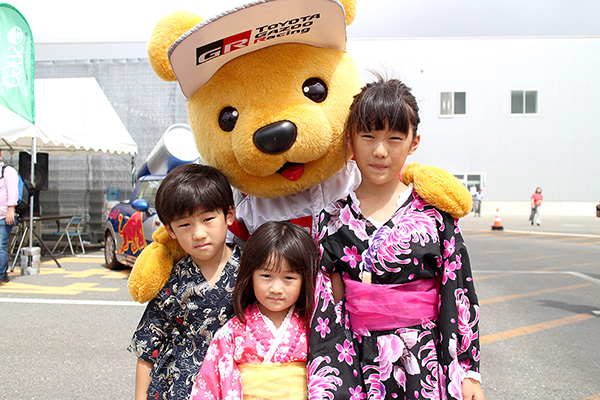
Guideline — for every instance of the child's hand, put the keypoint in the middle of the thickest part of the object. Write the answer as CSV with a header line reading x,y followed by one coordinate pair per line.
x,y
471,390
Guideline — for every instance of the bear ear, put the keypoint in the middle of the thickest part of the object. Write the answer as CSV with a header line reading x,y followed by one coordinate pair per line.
x,y
167,31
350,9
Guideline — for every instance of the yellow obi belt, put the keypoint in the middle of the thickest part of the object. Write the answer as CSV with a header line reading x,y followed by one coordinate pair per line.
x,y
274,381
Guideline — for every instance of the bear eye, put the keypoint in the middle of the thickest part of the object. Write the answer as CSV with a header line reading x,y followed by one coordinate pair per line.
x,y
228,118
315,89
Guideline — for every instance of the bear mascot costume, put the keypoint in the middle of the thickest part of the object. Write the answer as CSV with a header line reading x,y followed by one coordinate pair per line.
x,y
269,86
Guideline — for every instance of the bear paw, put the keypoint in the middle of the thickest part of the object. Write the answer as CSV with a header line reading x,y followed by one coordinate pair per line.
x,y
439,188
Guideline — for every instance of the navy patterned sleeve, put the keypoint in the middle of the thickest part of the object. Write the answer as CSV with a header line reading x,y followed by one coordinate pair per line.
x,y
151,333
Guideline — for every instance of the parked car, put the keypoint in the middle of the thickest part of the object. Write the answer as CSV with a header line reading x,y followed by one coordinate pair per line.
x,y
131,223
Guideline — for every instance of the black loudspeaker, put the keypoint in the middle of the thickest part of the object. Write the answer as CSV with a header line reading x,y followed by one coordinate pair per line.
x,y
41,169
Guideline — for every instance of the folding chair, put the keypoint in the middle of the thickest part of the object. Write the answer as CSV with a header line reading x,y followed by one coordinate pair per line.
x,y
71,230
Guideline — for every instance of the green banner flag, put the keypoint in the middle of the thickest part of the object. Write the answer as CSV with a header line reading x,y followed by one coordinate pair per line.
x,y
17,62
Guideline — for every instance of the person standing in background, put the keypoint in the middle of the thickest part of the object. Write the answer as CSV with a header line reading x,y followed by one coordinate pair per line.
x,y
9,196
598,210
536,204
477,197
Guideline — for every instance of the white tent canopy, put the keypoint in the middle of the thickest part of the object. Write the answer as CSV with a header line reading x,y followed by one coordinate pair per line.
x,y
73,117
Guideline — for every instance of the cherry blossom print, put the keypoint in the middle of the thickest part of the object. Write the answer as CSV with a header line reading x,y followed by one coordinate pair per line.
x,y
232,394
252,342
449,247
357,393
323,326
449,268
346,352
351,256
418,242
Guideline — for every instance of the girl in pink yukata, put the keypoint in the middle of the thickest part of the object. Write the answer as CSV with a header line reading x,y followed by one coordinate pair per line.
x,y
407,325
261,352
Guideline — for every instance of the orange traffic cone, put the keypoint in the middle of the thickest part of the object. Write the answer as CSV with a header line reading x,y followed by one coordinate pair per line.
x,y
497,222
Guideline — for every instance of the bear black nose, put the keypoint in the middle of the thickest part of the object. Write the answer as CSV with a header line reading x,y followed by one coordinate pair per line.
x,y
275,138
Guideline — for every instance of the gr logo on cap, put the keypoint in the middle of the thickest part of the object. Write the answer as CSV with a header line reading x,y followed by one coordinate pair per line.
x,y
205,48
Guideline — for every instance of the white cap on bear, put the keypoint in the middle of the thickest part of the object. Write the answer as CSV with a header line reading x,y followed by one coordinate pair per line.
x,y
205,48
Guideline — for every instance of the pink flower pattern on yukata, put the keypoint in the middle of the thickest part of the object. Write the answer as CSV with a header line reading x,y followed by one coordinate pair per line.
x,y
393,348
466,325
322,327
421,362
322,379
357,393
351,256
345,352
449,247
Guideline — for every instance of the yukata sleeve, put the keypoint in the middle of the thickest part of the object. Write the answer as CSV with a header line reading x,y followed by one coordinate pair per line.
x,y
152,332
329,246
459,308
219,376
332,365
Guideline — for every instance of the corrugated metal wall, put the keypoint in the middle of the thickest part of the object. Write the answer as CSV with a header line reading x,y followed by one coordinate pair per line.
x,y
146,105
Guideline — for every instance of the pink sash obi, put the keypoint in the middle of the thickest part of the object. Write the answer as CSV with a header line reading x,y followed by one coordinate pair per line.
x,y
374,307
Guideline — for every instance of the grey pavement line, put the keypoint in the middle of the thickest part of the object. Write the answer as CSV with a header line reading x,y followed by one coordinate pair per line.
x,y
574,273
71,302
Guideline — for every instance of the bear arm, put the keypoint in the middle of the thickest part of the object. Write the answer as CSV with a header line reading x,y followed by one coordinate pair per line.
x,y
153,266
439,188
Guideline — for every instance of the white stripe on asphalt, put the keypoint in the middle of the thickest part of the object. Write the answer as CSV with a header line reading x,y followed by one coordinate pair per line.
x,y
585,277
73,302
574,273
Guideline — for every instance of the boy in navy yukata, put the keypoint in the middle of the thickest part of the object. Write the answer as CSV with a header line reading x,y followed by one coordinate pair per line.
x,y
195,204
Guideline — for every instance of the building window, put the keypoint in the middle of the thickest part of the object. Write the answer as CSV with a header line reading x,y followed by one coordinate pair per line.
x,y
472,181
523,102
453,103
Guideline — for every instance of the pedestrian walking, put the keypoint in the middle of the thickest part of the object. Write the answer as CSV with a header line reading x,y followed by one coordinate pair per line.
x,y
536,207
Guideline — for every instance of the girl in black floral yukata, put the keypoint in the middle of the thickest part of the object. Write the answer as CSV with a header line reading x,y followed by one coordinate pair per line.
x,y
195,204
407,327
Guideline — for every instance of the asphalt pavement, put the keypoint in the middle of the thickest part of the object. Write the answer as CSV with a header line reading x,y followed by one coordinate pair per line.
x,y
64,332
551,224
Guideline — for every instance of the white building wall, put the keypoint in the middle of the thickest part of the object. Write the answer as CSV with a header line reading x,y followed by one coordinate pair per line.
x,y
557,149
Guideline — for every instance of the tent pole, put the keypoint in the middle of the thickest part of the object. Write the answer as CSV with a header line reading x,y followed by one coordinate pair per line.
x,y
33,161
133,172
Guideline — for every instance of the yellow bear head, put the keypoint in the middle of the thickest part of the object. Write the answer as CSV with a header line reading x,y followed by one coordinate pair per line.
x,y
271,119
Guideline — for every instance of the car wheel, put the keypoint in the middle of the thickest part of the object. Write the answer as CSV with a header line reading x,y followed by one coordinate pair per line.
x,y
109,252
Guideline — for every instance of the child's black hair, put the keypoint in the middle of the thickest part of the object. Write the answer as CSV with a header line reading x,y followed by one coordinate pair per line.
x,y
192,187
380,104
271,243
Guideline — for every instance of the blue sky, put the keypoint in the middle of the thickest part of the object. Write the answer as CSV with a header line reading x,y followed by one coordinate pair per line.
x,y
132,21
